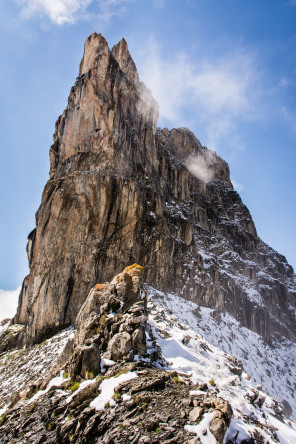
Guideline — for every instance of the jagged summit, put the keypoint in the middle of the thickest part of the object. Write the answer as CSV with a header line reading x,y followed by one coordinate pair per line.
x,y
121,191
106,104
94,48
121,53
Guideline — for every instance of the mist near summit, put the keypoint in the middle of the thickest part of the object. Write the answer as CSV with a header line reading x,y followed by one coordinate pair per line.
x,y
202,166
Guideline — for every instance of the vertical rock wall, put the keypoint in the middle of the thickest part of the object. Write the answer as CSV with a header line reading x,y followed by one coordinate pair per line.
x,y
122,191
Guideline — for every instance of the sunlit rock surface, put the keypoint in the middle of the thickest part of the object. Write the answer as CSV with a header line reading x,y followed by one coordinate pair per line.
x,y
123,191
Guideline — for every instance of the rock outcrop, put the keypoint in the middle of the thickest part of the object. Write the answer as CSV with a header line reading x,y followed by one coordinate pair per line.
x,y
111,321
123,191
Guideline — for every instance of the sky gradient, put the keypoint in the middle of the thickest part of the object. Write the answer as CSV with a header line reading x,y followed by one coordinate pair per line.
x,y
223,68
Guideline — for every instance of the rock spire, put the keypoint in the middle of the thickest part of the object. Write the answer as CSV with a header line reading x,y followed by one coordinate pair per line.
x,y
122,191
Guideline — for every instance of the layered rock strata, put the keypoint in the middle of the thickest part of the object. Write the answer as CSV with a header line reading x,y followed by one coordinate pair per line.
x,y
139,414
123,191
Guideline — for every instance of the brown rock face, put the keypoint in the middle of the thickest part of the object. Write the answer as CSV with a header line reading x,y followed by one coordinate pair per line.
x,y
122,191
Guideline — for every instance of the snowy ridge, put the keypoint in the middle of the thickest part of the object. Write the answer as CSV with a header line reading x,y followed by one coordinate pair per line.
x,y
24,367
193,345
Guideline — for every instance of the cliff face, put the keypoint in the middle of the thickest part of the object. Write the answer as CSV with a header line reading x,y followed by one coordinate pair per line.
x,y
123,191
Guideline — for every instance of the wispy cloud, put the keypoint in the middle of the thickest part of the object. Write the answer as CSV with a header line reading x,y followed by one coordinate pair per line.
x,y
8,303
70,11
58,11
237,186
203,165
216,91
110,8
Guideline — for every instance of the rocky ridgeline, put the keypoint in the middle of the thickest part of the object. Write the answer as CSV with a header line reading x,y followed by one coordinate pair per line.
x,y
123,191
154,409
109,348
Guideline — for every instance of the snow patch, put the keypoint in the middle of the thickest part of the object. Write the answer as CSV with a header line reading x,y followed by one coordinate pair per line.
x,y
202,429
107,390
271,366
54,382
82,386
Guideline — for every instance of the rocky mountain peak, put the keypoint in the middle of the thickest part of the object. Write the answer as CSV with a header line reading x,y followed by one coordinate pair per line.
x,y
95,48
121,53
122,191
106,103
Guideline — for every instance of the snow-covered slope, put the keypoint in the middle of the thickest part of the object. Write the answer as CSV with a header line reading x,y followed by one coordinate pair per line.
x,y
194,343
271,366
21,369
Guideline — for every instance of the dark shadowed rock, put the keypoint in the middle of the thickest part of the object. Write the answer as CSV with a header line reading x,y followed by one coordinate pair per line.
x,y
86,360
287,409
139,340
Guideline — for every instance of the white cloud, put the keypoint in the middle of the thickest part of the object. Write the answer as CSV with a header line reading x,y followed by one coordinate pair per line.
x,y
224,85
69,11
217,92
8,303
58,11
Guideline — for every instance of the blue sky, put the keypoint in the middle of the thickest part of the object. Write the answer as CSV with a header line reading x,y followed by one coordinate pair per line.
x,y
224,68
